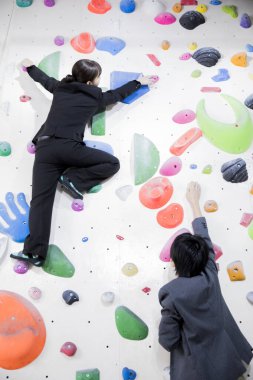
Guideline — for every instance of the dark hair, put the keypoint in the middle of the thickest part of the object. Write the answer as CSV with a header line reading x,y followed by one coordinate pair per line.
x,y
190,254
83,71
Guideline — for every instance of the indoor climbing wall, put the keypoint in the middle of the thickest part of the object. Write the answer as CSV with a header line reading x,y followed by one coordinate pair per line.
x,y
92,311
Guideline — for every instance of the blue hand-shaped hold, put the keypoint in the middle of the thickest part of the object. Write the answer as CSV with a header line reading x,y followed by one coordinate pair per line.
x,y
128,374
18,227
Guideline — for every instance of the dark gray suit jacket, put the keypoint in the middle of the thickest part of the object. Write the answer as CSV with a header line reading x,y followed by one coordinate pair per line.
x,y
197,326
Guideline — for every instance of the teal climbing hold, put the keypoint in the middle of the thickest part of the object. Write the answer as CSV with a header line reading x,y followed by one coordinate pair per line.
x,y
88,374
129,325
95,189
24,3
57,263
5,148
50,65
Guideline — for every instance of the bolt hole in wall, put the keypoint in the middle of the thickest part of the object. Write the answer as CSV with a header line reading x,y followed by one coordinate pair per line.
x,y
87,235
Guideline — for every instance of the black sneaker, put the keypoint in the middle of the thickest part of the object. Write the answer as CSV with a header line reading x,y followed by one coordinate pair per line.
x,y
34,260
70,188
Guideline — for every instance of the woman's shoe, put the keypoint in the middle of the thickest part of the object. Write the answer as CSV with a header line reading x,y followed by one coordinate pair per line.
x,y
34,260
70,188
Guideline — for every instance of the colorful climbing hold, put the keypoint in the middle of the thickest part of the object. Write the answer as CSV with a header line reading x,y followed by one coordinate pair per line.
x,y
98,124
184,116
99,6
95,189
128,374
85,239
165,45
119,78
165,252
171,167
245,21
88,374
217,251
129,269
34,293
146,290
83,43
207,56
24,3
49,3
57,263
24,98
154,59
112,45
249,48
119,237
235,171
221,76
250,230
210,206
202,8
215,2
146,159
156,192
196,74
77,205
240,59
210,89
70,297
129,325
192,46
59,40
171,216
177,8
246,219
50,64
189,2
127,6
5,148
207,169
68,348
193,166
230,10
235,271
185,56
107,297
123,192
191,20
21,267
181,144
165,18
31,147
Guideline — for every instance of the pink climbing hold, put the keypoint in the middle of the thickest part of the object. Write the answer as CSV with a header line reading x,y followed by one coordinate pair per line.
x,y
185,56
31,148
155,60
171,167
24,98
165,18
218,251
210,89
246,219
184,116
77,205
119,237
146,290
68,348
165,252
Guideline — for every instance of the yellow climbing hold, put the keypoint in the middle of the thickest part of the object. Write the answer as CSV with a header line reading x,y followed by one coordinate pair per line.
x,y
192,46
177,8
202,8
240,59
235,271
129,269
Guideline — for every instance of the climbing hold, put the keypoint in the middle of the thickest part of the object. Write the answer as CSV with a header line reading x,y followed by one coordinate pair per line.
x,y
107,297
34,293
127,6
88,374
196,73
154,59
232,138
118,78
128,374
21,267
245,21
250,230
207,56
181,144
165,45
217,251
177,8
119,237
230,10
49,3
193,166
207,169
83,43
112,45
70,296
99,6
3,247
184,116
145,157
165,18
156,192
85,239
50,64
99,145
5,149
24,98
250,297
68,348
248,102
190,20
171,167
246,219
22,333
221,76
249,48
146,290
235,171
210,89
210,206
95,189
202,8
124,192
57,263
192,46
215,2
171,216
240,59
152,8
189,2
24,3
98,124
185,56
129,269
251,190
31,147
129,325
165,252
77,205
59,40
235,271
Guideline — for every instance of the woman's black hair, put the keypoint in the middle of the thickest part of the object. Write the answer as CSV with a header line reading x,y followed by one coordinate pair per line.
x,y
190,254
83,71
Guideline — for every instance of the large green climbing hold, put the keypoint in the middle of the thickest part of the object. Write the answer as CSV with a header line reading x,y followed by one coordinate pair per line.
x,y
146,159
5,148
129,325
24,3
231,10
232,138
98,124
50,65
57,263
88,374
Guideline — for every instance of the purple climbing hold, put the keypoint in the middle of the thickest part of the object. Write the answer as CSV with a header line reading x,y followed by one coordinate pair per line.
x,y
68,348
245,21
184,116
59,40
31,148
77,205
21,267
49,3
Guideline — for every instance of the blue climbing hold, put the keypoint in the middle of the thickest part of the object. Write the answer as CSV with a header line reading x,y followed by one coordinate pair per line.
x,y
99,145
127,6
118,78
128,374
245,21
215,2
111,44
249,48
17,228
221,76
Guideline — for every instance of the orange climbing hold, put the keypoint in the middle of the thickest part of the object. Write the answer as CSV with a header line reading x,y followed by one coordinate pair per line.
x,y
185,140
83,43
165,45
171,216
22,331
99,6
240,59
156,192
235,271
177,8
